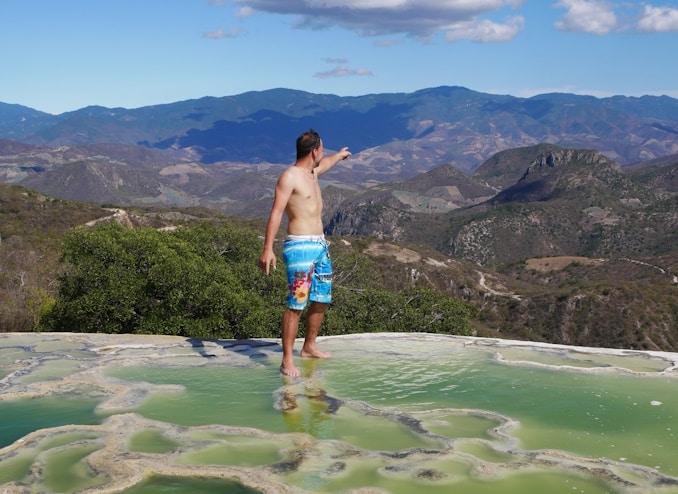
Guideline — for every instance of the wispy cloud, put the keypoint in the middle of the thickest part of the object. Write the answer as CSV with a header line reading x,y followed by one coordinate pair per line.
x,y
387,42
245,12
336,60
233,32
341,69
421,19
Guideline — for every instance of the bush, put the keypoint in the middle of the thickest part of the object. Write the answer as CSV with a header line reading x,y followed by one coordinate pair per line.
x,y
203,282
190,282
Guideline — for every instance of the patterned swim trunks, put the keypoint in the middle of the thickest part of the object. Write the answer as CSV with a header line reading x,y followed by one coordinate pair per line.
x,y
309,270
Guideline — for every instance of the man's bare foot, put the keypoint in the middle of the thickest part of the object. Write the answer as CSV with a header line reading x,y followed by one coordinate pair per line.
x,y
289,371
314,353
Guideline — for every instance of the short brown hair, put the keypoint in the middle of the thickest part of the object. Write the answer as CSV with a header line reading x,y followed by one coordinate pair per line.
x,y
307,142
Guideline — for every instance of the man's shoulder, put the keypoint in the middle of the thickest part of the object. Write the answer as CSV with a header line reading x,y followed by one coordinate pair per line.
x,y
288,174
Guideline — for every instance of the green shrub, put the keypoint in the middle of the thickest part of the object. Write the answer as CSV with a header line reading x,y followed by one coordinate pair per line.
x,y
204,282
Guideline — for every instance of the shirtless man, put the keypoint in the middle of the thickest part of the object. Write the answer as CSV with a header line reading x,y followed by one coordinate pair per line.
x,y
305,253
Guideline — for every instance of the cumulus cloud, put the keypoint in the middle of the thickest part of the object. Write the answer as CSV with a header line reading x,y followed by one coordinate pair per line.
x,y
658,19
485,31
587,16
457,19
602,17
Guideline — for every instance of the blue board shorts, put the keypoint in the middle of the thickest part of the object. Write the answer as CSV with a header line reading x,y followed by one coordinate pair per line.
x,y
309,270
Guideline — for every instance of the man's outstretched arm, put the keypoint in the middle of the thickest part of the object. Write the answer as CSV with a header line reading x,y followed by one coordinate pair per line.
x,y
329,161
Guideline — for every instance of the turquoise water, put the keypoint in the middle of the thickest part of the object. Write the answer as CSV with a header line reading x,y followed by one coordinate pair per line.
x,y
171,485
617,416
213,395
20,417
397,415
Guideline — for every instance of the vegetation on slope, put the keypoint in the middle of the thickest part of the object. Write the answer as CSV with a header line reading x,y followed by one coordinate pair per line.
x,y
198,278
31,226
202,281
624,298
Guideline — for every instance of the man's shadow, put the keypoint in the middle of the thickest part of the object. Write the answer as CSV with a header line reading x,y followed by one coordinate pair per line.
x,y
248,346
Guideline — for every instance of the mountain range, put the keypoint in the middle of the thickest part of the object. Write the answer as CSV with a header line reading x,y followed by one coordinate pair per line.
x,y
418,159
396,134
557,214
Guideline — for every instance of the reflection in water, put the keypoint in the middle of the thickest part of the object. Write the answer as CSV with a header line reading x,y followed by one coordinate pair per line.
x,y
304,403
396,413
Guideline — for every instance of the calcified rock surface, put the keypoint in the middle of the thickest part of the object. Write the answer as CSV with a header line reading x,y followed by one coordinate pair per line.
x,y
112,466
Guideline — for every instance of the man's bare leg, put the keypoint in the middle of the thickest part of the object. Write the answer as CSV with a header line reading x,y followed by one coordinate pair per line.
x,y
314,318
290,325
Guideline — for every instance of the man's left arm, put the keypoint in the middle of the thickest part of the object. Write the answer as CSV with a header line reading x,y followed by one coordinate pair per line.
x,y
329,161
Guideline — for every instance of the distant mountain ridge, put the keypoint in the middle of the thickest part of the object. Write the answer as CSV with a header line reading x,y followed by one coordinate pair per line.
x,y
539,199
393,135
565,202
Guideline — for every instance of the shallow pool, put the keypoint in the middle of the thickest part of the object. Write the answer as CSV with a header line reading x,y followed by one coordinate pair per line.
x,y
400,413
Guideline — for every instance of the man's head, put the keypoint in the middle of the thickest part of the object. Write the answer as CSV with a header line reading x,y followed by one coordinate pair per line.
x,y
307,143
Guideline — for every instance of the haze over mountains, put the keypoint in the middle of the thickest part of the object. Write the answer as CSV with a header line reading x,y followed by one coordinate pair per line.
x,y
412,132
211,151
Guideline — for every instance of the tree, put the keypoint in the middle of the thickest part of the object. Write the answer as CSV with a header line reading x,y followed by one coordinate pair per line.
x,y
191,282
203,282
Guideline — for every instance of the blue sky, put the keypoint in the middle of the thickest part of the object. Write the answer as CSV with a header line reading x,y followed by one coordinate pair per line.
x,y
62,55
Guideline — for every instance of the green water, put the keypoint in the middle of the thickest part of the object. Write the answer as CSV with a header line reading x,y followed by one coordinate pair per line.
x,y
51,371
621,417
214,395
631,361
20,417
171,485
236,451
17,468
616,416
66,471
151,441
451,477
396,416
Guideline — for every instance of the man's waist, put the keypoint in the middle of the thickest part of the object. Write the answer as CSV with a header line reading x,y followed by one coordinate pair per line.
x,y
305,238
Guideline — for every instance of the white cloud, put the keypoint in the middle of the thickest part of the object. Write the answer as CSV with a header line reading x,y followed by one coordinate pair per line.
x,y
458,19
245,12
342,71
587,16
484,31
658,19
